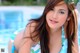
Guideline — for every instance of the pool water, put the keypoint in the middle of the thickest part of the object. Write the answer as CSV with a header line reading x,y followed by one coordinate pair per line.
x,y
12,20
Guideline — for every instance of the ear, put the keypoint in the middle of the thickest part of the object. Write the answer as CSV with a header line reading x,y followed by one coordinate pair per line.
x,y
68,18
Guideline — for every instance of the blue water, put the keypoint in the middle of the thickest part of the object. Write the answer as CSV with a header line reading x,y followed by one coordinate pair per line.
x,y
13,21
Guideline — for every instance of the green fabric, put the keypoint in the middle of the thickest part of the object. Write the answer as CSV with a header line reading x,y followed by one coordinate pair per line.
x,y
36,48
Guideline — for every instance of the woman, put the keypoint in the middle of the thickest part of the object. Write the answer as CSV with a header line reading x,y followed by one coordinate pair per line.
x,y
54,32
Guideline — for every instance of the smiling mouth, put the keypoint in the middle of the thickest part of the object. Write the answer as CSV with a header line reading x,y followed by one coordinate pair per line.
x,y
53,21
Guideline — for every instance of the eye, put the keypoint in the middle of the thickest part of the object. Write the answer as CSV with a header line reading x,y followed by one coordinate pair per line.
x,y
62,12
52,9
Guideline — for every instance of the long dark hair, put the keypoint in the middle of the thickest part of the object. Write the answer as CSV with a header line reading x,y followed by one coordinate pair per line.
x,y
42,32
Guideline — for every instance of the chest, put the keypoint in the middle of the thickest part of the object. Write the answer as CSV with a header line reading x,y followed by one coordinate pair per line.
x,y
57,48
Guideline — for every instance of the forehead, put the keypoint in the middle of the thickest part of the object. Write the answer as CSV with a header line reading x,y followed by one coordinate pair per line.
x,y
61,5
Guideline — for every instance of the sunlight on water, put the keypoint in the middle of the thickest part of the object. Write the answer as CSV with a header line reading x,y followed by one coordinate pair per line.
x,y
12,20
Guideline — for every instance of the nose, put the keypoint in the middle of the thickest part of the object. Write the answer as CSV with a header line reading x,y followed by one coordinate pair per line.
x,y
54,15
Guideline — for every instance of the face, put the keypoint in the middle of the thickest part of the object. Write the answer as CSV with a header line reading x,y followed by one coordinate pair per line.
x,y
57,16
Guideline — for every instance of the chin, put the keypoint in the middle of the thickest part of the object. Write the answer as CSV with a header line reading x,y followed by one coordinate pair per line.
x,y
52,27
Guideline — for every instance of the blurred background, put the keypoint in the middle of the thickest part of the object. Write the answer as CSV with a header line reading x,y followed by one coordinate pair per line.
x,y
15,14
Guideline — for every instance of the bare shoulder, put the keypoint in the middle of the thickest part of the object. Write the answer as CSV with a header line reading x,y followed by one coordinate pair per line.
x,y
18,38
21,37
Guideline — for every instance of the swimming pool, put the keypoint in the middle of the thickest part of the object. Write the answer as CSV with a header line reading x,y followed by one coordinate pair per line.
x,y
13,19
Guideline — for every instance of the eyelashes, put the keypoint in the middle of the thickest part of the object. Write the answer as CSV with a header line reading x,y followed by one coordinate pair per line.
x,y
59,11
52,9
62,12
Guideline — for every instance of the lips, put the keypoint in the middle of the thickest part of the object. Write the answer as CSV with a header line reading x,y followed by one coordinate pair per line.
x,y
53,21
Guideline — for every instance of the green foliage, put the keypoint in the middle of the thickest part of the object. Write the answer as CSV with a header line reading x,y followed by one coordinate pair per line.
x,y
71,1
76,1
23,2
28,2
5,3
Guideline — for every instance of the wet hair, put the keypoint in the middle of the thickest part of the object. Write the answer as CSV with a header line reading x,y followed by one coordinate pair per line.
x,y
42,32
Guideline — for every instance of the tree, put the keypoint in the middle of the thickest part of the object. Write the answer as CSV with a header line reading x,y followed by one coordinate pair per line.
x,y
76,1
0,1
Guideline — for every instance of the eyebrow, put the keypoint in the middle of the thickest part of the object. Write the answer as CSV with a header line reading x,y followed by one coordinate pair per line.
x,y
63,9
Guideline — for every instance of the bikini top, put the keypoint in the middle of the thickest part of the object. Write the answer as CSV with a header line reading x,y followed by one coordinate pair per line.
x,y
36,48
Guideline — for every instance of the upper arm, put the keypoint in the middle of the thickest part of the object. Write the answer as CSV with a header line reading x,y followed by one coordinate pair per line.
x,y
18,39
22,42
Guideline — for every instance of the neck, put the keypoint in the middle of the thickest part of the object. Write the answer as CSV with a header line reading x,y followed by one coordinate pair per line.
x,y
55,33
55,39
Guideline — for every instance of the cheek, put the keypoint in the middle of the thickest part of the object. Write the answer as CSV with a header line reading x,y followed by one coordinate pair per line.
x,y
48,15
63,20
47,18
